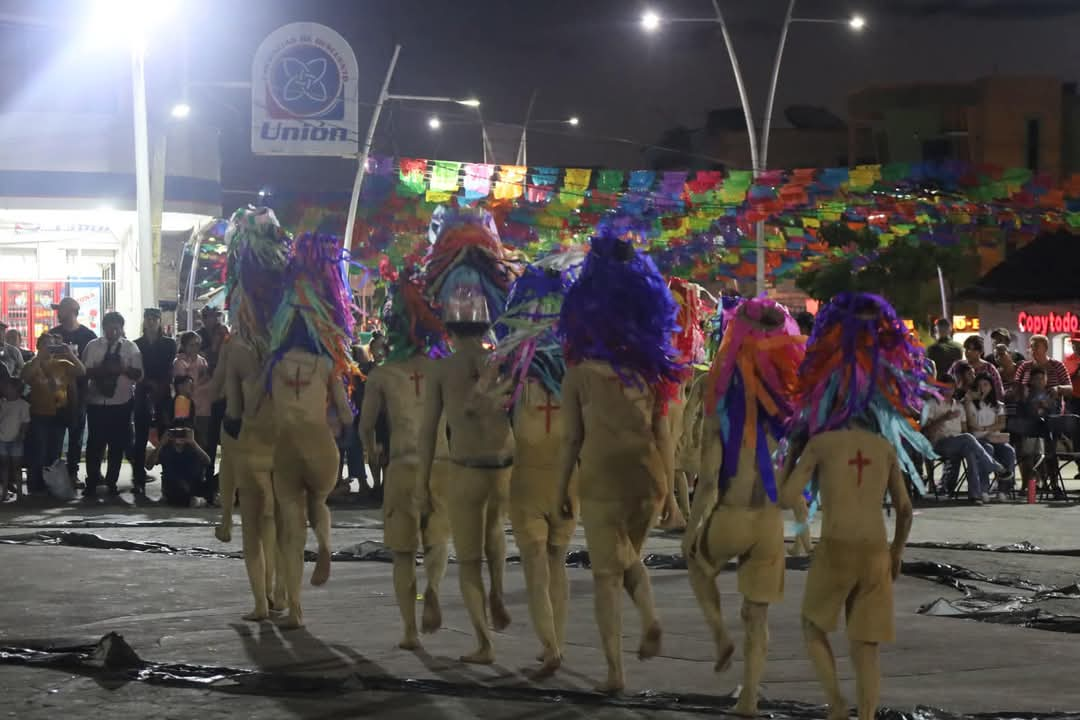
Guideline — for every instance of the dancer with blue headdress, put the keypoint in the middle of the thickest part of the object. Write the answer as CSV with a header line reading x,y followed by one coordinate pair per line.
x,y
862,387
532,355
309,367
415,335
617,323
468,274
749,393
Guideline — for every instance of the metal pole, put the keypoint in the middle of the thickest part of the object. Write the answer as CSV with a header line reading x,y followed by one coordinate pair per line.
x,y
361,169
523,146
144,230
767,126
941,286
759,229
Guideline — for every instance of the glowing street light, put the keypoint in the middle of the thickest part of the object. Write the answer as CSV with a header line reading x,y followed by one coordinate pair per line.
x,y
434,123
470,102
575,121
857,22
650,21
180,111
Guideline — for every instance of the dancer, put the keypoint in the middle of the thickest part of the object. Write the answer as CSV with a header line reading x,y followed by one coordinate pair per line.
x,y
468,274
861,386
690,342
749,391
397,387
257,251
541,530
310,364
617,324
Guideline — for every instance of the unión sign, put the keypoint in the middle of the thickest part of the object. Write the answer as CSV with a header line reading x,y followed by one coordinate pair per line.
x,y
304,93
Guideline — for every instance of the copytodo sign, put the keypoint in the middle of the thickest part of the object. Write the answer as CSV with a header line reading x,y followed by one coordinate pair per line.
x,y
1047,323
304,93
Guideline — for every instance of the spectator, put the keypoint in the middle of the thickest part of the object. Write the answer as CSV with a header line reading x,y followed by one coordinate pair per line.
x,y
213,336
986,421
14,338
349,444
14,425
183,409
114,365
190,363
51,377
1001,336
14,350
973,355
1007,370
377,351
944,351
1058,384
964,378
183,482
152,393
1072,366
1038,401
377,348
944,427
805,321
77,337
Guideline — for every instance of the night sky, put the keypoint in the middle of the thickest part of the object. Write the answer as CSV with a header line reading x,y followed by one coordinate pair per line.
x,y
587,58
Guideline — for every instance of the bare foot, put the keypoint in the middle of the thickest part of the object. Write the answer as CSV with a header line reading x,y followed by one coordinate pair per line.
x,y
500,618
410,643
650,642
483,656
839,710
321,573
746,707
673,519
292,621
257,615
614,684
431,619
548,667
223,533
724,657
277,600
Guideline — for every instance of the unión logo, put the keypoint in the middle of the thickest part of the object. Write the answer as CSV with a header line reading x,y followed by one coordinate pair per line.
x,y
306,80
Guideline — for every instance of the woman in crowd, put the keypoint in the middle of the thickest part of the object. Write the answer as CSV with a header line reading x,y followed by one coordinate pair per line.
x,y
986,421
189,363
973,358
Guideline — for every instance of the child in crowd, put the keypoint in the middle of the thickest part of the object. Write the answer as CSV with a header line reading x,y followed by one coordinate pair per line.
x,y
191,363
183,402
1038,402
183,463
14,424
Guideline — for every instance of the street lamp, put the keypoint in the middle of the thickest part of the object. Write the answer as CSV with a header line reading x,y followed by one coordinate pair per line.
x,y
574,121
651,21
434,123
180,111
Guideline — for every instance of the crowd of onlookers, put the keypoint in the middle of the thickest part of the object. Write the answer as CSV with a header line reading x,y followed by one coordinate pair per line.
x,y
153,401
989,391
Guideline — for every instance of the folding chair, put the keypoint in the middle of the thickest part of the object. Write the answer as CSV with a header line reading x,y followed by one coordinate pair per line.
x,y
1044,466
1064,431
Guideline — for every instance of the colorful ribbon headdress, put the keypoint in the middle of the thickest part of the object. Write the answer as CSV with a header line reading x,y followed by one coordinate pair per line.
x,y
411,324
690,339
257,252
752,384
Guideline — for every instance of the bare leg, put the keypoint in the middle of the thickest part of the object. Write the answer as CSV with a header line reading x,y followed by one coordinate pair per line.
x,y
821,655
682,492
708,597
405,590
673,519
608,606
534,558
227,490
322,474
558,591
636,582
435,559
252,503
280,598
495,552
803,544
319,517
292,532
755,618
865,658
470,573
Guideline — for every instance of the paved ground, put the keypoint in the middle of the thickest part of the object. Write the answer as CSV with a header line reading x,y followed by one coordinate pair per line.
x,y
181,609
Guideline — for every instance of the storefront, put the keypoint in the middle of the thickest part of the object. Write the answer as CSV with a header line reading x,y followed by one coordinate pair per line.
x,y
67,216
1056,321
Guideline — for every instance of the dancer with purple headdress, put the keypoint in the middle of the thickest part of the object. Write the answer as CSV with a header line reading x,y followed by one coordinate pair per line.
x,y
310,365
862,387
617,324
749,394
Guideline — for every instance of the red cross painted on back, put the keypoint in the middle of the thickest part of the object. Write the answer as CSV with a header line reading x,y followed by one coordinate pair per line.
x,y
859,462
548,408
416,377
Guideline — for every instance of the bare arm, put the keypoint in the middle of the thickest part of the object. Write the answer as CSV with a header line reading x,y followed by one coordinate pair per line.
x,y
374,402
904,514
661,425
712,457
795,480
234,386
429,427
340,398
573,434
199,452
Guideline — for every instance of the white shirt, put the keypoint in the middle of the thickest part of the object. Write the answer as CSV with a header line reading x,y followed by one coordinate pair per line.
x,y
130,357
937,408
13,415
982,417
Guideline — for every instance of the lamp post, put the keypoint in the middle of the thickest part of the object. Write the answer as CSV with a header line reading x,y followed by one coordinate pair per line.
x,y
651,21
523,147
385,96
